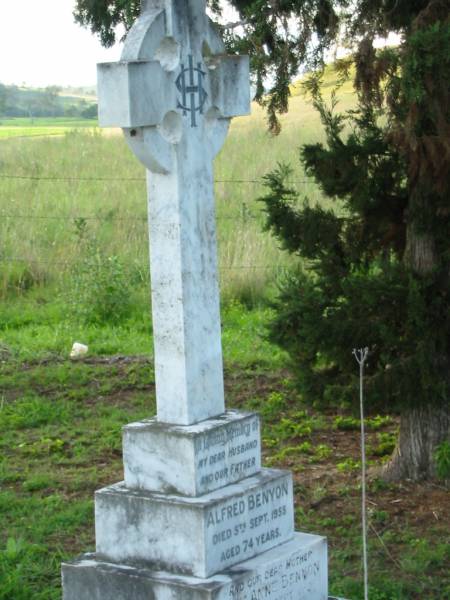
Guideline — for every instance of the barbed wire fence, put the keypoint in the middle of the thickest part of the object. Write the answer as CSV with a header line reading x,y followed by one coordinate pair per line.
x,y
246,214
13,259
143,179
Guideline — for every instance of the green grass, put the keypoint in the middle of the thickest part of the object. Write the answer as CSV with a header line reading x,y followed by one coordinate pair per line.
x,y
38,327
60,440
31,132
115,210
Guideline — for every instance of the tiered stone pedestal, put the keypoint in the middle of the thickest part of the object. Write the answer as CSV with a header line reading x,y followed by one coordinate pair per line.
x,y
197,518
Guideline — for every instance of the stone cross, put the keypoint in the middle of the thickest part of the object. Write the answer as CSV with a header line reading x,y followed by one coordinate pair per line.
x,y
174,92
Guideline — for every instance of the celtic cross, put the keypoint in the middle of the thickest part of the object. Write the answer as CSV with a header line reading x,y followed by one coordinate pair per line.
x,y
173,93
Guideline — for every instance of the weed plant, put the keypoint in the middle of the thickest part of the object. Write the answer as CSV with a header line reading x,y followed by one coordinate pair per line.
x,y
101,286
442,458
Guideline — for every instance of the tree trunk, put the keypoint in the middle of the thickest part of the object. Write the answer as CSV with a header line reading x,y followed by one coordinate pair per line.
x,y
422,430
424,427
420,253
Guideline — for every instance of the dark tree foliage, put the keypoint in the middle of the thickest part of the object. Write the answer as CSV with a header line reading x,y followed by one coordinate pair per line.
x,y
103,16
378,263
376,267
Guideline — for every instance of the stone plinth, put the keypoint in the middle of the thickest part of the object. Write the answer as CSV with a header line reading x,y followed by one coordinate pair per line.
x,y
194,459
296,570
195,535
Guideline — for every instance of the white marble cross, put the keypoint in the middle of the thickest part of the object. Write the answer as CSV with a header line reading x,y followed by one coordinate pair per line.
x,y
174,92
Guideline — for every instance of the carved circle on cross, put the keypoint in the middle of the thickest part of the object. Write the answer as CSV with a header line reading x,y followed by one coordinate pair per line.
x,y
181,50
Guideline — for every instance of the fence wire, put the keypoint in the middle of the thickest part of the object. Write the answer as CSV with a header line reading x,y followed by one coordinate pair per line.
x,y
246,215
242,218
143,179
13,259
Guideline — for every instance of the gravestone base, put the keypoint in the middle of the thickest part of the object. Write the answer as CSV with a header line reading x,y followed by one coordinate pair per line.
x,y
198,536
296,570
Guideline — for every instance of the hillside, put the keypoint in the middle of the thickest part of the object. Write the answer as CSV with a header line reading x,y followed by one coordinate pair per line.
x,y
51,101
81,102
301,110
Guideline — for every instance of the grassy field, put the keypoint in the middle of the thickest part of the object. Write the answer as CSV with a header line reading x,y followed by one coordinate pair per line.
x,y
72,219
49,184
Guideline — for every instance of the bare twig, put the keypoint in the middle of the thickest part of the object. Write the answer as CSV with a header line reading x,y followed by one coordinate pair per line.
x,y
234,24
386,549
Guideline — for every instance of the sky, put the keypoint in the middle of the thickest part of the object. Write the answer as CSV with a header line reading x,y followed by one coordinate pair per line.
x,y
40,45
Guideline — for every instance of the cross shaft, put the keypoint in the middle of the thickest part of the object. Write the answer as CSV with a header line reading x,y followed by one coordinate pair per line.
x,y
173,93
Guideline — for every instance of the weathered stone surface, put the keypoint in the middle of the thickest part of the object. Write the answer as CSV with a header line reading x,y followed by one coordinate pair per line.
x,y
174,92
195,535
185,294
116,79
191,459
296,570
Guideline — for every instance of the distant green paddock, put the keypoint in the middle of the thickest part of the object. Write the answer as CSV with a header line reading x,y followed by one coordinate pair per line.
x,y
48,122
27,127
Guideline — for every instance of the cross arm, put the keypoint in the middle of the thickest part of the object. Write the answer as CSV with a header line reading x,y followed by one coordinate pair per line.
x,y
132,94
230,91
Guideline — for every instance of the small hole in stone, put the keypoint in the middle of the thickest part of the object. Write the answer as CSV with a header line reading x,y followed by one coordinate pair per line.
x,y
133,133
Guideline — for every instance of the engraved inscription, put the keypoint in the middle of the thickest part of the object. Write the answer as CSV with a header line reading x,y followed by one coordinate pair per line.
x,y
283,580
228,454
251,524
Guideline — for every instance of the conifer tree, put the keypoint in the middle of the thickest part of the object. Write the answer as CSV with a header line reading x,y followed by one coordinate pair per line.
x,y
377,266
379,262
